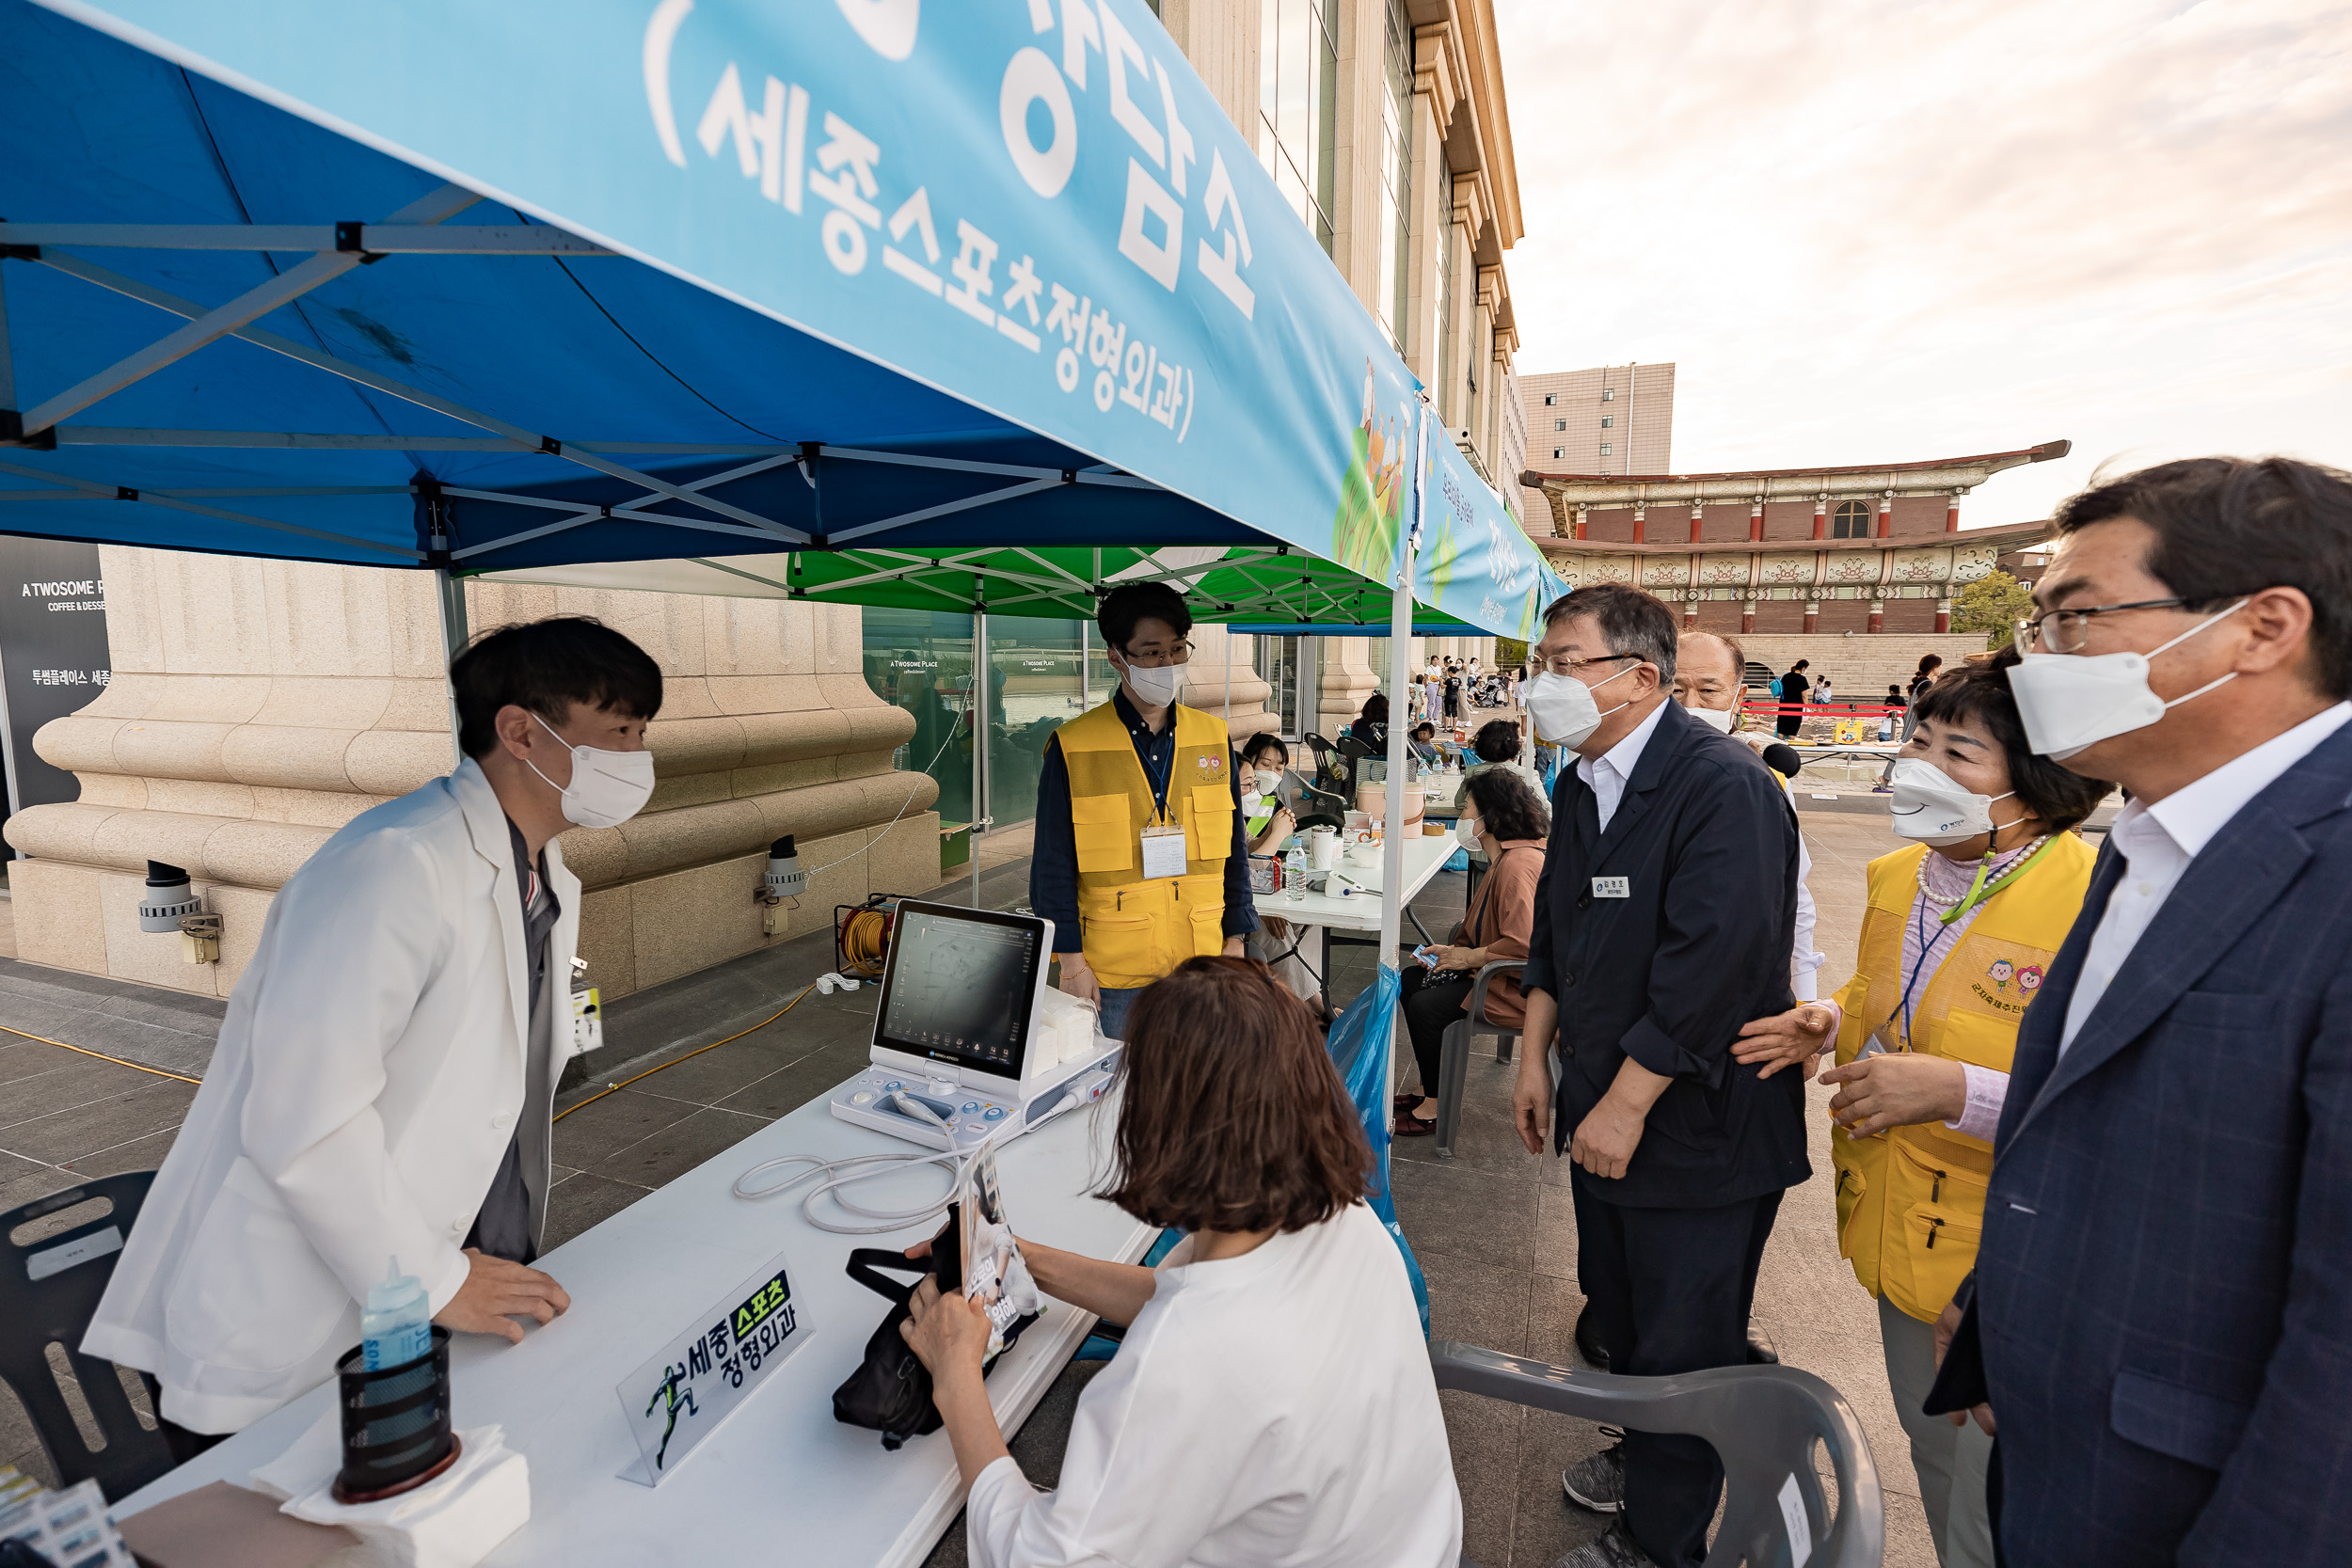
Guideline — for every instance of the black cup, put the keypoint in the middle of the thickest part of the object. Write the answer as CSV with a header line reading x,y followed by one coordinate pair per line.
x,y
396,1430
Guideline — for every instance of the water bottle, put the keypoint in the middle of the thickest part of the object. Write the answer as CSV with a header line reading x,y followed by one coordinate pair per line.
x,y
396,1326
1295,873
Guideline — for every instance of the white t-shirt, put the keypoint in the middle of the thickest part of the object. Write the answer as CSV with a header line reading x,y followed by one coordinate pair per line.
x,y
1275,1407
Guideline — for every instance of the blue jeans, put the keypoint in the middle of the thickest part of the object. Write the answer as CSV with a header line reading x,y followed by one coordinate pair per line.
x,y
1115,1004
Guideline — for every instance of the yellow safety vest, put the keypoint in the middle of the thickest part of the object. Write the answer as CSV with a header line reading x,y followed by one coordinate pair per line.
x,y
1135,930
1911,1200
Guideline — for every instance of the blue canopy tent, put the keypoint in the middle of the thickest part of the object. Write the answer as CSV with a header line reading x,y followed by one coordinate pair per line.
x,y
465,288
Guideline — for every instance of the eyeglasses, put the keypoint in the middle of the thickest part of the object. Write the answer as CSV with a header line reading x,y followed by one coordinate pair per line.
x,y
2065,632
1180,654
1563,664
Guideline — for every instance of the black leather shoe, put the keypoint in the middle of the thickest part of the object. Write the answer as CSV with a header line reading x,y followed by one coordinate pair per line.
x,y
1595,1354
1760,1353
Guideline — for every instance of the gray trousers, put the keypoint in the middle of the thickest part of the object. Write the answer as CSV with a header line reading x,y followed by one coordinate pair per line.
x,y
1948,1460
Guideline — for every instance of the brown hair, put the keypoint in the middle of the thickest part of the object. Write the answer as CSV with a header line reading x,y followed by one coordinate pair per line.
x,y
1233,1117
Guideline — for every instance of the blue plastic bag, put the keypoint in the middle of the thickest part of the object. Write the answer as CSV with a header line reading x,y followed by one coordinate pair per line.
x,y
1359,1042
1459,860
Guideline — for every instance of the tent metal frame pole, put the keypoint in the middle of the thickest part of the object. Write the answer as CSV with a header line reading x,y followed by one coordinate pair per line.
x,y
521,439
979,741
357,240
449,596
432,208
92,489
1400,655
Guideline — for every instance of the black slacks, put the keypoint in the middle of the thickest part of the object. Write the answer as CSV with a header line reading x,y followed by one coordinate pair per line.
x,y
1671,1290
1432,1003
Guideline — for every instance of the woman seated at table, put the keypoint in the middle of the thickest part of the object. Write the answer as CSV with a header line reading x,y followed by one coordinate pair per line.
x,y
1372,725
1508,821
1959,929
1272,1401
1269,824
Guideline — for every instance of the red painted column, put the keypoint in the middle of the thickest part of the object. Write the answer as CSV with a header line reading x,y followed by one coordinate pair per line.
x,y
1878,615
1943,615
1820,517
1812,614
1641,515
1952,514
1747,618
1756,519
1698,516
1887,516
1583,512
1689,615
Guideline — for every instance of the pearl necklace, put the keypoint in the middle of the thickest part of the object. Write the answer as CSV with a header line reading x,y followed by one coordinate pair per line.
x,y
2016,857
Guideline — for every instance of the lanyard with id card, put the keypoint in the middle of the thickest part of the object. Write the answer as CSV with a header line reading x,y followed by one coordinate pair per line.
x,y
1163,851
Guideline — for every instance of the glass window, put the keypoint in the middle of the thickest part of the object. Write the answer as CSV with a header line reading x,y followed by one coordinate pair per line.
x,y
922,661
1559,452
1608,394
1605,448
1562,424
1299,62
1606,421
1277,663
1033,690
1852,521
1445,292
1396,172
1551,400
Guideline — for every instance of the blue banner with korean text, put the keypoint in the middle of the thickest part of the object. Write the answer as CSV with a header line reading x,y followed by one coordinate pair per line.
x,y
1034,206
1473,562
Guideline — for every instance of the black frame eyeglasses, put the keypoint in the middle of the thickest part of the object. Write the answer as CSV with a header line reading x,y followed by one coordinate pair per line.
x,y
2065,631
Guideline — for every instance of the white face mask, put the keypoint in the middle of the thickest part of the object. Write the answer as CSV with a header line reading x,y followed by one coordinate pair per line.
x,y
1467,832
1156,686
1934,807
1564,709
1251,802
1267,779
2071,700
1714,718
607,788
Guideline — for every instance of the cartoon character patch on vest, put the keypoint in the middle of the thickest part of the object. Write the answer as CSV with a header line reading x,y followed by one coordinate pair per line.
x,y
2030,980
1211,767
2002,972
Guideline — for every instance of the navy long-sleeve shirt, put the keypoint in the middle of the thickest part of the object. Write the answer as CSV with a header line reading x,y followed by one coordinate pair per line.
x,y
1054,852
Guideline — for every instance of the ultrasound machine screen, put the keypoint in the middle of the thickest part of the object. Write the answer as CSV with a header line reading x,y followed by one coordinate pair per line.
x,y
963,987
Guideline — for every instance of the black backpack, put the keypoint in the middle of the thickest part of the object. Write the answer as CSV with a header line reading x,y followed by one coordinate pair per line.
x,y
891,1390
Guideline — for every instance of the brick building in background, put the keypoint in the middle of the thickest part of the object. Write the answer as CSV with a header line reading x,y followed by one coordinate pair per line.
x,y
1788,550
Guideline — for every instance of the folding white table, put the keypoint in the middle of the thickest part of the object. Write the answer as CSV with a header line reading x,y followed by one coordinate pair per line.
x,y
781,1481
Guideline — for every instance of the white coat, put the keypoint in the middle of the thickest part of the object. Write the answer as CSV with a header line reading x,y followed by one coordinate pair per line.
x,y
366,1086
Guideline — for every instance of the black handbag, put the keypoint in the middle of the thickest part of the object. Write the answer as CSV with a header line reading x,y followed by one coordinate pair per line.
x,y
891,1390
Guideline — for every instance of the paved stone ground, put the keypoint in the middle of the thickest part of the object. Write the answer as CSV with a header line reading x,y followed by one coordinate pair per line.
x,y
1492,1227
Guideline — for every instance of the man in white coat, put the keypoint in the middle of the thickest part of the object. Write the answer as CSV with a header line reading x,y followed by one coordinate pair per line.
x,y
385,1078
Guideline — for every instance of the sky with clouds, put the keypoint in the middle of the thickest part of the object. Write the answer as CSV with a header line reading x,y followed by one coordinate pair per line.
x,y
1881,230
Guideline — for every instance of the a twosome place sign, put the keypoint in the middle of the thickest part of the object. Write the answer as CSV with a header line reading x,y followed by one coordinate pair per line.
x,y
679,1398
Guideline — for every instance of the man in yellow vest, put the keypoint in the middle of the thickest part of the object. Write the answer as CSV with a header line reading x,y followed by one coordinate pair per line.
x,y
1139,860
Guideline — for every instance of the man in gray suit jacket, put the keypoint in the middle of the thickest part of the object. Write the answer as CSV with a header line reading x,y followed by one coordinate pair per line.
x,y
2161,1313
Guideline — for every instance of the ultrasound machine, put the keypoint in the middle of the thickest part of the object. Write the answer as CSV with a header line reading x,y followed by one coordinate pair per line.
x,y
970,1043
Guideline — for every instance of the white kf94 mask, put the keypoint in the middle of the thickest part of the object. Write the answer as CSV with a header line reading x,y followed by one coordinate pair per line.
x,y
1564,709
1155,687
607,788
2071,700
1714,718
1934,807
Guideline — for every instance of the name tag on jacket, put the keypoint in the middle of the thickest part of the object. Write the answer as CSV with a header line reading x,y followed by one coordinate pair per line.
x,y
1612,887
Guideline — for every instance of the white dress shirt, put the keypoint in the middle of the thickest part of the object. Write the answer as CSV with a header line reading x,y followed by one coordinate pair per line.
x,y
1607,774
2158,841
1272,1408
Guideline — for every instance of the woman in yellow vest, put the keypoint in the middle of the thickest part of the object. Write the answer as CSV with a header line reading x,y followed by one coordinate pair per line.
x,y
1960,929
1138,858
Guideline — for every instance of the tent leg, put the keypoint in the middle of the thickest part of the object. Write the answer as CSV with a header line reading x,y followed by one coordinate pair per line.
x,y
1393,833
449,593
980,740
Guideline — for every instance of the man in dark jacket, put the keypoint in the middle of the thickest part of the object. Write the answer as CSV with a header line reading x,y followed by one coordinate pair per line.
x,y
1667,907
2161,1312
